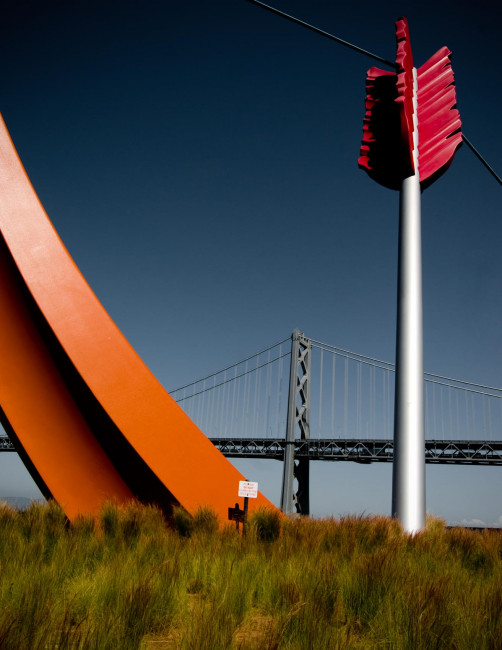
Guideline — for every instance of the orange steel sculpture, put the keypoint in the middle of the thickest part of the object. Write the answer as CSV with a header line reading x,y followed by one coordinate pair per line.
x,y
89,420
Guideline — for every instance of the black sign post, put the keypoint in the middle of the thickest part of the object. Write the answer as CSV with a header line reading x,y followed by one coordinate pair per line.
x,y
239,516
245,522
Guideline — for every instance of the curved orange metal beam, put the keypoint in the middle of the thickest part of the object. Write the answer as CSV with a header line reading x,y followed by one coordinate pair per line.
x,y
40,413
118,429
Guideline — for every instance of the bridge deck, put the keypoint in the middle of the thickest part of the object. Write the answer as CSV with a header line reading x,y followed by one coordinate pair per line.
x,y
446,452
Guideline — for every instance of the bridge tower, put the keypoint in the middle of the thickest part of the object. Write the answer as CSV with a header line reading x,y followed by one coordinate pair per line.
x,y
297,425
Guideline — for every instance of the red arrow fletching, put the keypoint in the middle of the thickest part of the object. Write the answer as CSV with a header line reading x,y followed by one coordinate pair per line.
x,y
382,153
439,124
404,84
387,145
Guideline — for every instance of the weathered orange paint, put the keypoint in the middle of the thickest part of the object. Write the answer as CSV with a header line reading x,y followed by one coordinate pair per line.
x,y
71,381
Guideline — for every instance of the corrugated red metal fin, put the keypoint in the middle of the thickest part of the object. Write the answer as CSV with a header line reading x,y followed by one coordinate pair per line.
x,y
387,146
404,85
439,124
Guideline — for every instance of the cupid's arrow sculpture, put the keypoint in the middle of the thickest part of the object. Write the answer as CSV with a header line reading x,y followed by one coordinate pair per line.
x,y
411,131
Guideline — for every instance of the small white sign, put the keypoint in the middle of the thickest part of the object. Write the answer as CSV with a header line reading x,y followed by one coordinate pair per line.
x,y
248,489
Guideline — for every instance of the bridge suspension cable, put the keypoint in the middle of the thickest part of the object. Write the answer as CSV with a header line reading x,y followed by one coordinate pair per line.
x,y
247,398
226,381
237,363
362,405
387,365
352,397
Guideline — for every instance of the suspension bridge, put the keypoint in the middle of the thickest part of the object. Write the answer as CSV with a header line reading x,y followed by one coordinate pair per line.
x,y
301,400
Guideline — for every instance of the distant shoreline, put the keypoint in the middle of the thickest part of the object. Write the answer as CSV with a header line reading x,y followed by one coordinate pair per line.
x,y
21,503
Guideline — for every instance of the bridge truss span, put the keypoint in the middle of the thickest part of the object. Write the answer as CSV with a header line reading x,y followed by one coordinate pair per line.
x,y
438,452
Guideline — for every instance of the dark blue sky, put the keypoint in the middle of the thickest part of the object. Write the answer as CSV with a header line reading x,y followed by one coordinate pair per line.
x,y
199,160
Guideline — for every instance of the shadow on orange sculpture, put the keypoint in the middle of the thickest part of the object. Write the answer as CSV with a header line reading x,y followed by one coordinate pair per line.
x,y
88,418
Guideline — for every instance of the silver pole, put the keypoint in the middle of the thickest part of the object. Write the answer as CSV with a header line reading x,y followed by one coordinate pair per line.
x,y
408,480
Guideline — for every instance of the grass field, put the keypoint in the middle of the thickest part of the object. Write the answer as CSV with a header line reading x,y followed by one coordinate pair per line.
x,y
129,581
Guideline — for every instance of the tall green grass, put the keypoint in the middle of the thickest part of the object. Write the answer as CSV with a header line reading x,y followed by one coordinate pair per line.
x,y
127,580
